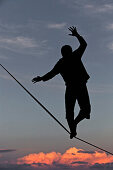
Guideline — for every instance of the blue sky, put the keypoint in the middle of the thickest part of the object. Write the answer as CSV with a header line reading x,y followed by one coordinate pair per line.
x,y
32,33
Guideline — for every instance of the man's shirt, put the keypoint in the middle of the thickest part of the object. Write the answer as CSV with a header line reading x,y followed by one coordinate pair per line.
x,y
71,67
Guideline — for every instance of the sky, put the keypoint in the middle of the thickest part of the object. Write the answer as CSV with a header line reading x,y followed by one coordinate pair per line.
x,y
32,33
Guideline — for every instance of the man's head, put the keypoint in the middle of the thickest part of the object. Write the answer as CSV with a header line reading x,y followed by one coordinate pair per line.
x,y
66,51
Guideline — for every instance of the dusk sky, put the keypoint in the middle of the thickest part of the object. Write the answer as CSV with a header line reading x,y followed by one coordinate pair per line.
x,y
32,33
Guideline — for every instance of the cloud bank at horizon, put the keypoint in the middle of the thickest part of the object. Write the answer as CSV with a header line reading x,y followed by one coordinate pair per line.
x,y
72,158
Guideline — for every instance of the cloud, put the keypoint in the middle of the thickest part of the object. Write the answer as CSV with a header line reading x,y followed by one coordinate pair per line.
x,y
22,39
79,162
107,166
57,25
7,150
104,8
72,158
110,46
90,152
4,76
9,28
15,167
24,45
21,42
110,26
95,7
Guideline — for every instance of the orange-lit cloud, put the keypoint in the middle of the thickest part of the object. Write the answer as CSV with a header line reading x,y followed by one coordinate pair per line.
x,y
73,157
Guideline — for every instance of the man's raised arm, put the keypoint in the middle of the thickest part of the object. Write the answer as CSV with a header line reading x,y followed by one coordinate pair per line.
x,y
81,40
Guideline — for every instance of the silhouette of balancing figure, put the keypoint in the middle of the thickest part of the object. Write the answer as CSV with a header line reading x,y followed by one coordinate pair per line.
x,y
75,76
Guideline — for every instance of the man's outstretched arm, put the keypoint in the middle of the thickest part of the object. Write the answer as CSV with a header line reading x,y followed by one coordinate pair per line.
x,y
47,76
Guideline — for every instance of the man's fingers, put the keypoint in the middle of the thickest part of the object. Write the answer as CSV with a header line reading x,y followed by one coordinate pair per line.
x,y
71,29
32,80
74,28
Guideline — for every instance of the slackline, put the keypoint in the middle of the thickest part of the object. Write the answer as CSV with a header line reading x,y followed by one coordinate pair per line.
x,y
52,114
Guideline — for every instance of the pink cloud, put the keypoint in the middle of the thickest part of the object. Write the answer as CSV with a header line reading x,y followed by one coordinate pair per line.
x,y
72,158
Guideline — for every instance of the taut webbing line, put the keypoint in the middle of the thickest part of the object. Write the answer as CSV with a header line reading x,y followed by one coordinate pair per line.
x,y
51,113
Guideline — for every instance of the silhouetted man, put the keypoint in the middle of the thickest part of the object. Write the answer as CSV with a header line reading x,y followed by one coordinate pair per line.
x,y
75,76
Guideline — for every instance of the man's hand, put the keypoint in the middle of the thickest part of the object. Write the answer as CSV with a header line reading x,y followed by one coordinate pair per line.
x,y
73,31
36,79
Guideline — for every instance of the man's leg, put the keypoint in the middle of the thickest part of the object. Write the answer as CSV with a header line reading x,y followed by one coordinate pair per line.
x,y
70,100
84,103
